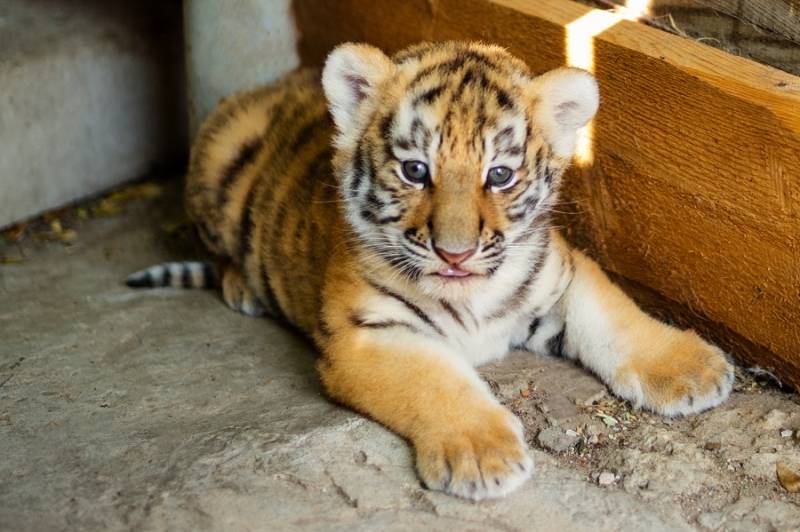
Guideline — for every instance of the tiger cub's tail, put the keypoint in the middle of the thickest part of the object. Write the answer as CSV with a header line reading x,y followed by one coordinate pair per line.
x,y
184,274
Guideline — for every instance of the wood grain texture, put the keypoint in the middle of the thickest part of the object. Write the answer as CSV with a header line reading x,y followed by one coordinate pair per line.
x,y
695,188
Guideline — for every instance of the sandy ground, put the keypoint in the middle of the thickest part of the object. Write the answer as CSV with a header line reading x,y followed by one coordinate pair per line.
x,y
163,410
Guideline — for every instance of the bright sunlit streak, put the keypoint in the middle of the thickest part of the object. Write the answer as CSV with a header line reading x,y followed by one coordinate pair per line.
x,y
580,54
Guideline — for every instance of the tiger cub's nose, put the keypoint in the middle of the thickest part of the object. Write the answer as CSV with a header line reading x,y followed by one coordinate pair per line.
x,y
454,258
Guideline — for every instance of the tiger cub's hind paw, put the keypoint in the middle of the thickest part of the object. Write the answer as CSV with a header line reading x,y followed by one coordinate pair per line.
x,y
238,296
687,377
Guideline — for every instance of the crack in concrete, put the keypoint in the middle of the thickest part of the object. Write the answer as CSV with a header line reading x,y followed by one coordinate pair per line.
x,y
351,502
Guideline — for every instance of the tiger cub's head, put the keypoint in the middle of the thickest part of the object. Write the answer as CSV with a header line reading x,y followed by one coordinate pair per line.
x,y
449,156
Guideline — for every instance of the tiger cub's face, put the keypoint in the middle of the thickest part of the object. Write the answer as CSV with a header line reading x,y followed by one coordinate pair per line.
x,y
449,156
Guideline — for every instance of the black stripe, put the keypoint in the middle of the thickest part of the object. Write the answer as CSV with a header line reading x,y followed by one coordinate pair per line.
x,y
359,169
186,276
370,215
518,297
414,252
532,328
450,310
549,174
472,316
273,306
527,205
417,129
386,136
503,136
144,280
373,201
468,78
386,127
389,219
411,306
503,99
410,235
513,151
402,263
429,96
246,226
555,345
305,134
232,171
166,279
209,277
520,192
453,65
358,321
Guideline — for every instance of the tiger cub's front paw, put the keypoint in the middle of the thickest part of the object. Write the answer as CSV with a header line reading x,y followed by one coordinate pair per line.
x,y
687,375
485,457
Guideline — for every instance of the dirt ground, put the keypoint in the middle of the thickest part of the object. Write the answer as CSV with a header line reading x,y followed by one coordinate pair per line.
x,y
600,464
717,468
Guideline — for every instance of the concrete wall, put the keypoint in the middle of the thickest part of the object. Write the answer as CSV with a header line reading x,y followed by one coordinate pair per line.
x,y
93,92
90,96
233,45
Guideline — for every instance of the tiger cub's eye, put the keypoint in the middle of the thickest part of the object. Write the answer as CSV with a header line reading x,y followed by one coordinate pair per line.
x,y
415,172
500,177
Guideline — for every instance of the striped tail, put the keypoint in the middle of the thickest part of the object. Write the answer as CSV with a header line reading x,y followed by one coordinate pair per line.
x,y
186,274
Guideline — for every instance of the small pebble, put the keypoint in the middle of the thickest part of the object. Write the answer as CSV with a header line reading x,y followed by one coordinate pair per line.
x,y
606,478
786,433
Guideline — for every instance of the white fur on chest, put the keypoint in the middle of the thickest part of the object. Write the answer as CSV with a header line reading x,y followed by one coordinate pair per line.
x,y
480,330
480,345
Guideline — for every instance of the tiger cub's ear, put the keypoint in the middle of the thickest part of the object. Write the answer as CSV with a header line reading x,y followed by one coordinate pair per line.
x,y
566,99
351,75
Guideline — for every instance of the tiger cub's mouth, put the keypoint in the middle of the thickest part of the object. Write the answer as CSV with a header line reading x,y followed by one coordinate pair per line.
x,y
453,272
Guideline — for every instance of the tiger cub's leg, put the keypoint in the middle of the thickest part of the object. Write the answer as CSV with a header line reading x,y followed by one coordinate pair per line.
x,y
465,442
653,365
237,295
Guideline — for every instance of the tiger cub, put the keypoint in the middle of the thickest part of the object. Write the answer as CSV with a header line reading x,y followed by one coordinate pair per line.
x,y
405,227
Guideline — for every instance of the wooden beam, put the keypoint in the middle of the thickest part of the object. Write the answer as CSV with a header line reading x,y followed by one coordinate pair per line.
x,y
695,187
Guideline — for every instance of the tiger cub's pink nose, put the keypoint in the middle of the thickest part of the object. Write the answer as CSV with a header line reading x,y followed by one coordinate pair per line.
x,y
454,258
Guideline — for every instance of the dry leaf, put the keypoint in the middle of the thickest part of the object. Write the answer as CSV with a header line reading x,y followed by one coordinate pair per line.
x,y
113,203
106,207
788,478
68,236
136,192
610,421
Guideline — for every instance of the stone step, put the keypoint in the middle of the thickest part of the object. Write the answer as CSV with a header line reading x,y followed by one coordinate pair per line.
x,y
91,95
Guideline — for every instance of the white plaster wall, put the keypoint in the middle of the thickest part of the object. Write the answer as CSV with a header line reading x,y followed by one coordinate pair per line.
x,y
233,45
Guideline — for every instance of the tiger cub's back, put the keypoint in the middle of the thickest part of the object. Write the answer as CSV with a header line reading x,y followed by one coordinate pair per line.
x,y
261,191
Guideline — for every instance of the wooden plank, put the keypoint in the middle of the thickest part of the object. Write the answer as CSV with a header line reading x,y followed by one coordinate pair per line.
x,y
695,187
